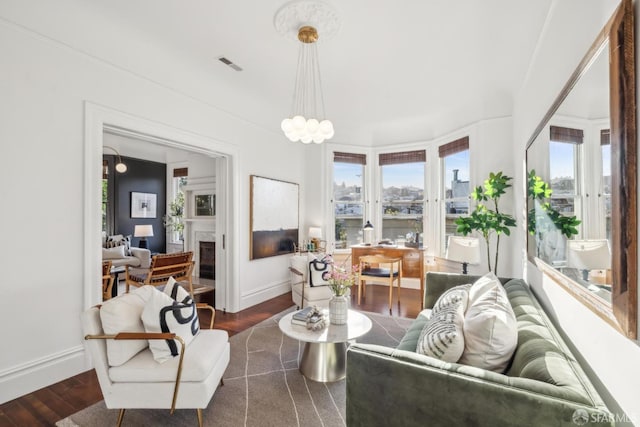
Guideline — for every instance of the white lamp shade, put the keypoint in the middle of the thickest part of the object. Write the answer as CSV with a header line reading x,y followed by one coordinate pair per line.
x,y
589,254
315,232
143,230
464,249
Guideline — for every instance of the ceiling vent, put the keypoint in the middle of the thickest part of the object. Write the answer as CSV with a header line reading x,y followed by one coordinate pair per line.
x,y
229,63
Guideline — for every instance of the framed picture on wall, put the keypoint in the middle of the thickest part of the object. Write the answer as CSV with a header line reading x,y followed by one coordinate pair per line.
x,y
143,205
273,217
204,205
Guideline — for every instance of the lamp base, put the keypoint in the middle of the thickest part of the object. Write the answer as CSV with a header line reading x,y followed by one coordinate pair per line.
x,y
464,267
143,243
585,275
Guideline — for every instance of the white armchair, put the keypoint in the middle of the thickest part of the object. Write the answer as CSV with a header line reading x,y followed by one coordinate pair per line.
x,y
302,293
185,381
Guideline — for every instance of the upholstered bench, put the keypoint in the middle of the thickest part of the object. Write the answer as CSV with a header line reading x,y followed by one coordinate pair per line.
x,y
543,385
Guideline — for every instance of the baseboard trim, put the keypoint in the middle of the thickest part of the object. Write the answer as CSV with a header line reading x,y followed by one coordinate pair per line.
x,y
31,376
256,296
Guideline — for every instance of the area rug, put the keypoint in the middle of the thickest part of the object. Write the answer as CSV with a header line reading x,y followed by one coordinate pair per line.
x,y
262,385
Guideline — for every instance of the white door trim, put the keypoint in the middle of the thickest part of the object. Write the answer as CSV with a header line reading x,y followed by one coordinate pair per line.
x,y
97,118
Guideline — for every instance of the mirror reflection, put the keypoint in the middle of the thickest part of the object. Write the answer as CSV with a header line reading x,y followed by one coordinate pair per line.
x,y
569,184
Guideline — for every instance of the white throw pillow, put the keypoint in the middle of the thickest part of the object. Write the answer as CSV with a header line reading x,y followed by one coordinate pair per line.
x,y
442,336
122,314
117,252
162,313
490,327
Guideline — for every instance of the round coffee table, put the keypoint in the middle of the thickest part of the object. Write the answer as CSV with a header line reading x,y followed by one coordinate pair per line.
x,y
324,358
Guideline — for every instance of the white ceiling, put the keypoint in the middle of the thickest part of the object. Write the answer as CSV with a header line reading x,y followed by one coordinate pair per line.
x,y
395,71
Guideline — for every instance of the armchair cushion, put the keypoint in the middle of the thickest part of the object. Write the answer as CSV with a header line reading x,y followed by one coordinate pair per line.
x,y
142,368
319,270
115,252
122,314
163,313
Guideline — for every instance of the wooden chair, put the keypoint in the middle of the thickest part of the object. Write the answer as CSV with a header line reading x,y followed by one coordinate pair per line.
x,y
177,265
107,280
380,269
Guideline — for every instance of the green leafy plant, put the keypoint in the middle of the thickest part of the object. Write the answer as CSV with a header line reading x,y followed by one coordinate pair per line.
x,y
173,220
546,217
485,220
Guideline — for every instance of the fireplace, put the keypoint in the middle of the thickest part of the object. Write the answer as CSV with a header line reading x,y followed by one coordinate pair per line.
x,y
207,260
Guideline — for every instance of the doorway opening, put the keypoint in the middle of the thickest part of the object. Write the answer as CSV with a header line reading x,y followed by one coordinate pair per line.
x,y
146,134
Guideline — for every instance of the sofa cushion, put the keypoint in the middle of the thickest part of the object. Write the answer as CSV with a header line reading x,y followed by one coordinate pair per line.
x,y
409,341
119,240
442,336
163,313
116,252
490,327
122,314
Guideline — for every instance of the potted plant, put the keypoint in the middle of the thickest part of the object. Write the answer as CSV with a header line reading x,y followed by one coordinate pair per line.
x,y
485,220
173,220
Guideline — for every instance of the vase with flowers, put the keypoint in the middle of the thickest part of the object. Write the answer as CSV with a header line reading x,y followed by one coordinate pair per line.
x,y
340,281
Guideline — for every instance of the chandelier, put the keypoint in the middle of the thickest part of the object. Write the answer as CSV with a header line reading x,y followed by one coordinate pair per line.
x,y
307,123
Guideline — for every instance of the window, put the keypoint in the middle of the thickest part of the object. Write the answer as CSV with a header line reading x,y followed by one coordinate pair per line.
x,y
564,174
563,165
174,218
455,184
348,198
403,203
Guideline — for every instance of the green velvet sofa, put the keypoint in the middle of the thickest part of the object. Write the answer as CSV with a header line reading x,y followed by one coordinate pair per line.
x,y
543,386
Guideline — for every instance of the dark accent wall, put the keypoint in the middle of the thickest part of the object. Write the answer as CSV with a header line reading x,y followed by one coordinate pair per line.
x,y
142,176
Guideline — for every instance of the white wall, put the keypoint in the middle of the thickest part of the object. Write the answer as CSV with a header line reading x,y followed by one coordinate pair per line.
x,y
611,358
43,87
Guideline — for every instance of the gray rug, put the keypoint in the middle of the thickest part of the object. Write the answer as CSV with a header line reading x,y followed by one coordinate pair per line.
x,y
262,386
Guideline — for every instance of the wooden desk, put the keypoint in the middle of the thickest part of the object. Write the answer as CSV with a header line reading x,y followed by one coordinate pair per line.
x,y
412,260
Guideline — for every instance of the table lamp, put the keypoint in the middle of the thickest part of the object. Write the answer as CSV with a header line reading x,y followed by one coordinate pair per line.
x,y
589,255
143,231
315,234
463,249
367,234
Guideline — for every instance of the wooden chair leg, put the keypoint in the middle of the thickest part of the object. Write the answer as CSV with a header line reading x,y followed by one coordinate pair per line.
x,y
120,417
390,292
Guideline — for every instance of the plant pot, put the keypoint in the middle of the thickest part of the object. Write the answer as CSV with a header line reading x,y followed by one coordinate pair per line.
x,y
338,310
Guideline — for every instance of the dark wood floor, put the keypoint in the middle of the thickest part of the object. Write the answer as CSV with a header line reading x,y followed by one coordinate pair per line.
x,y
46,406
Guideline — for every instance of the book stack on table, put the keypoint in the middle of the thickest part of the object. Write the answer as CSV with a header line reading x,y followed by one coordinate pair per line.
x,y
307,314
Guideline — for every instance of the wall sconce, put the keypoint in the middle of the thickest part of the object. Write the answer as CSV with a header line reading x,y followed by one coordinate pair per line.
x,y
465,250
120,166
143,231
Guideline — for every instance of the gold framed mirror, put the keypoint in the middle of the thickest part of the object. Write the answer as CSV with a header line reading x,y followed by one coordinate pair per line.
x,y
581,173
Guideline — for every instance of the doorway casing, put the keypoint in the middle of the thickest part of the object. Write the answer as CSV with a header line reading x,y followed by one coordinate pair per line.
x,y
97,119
